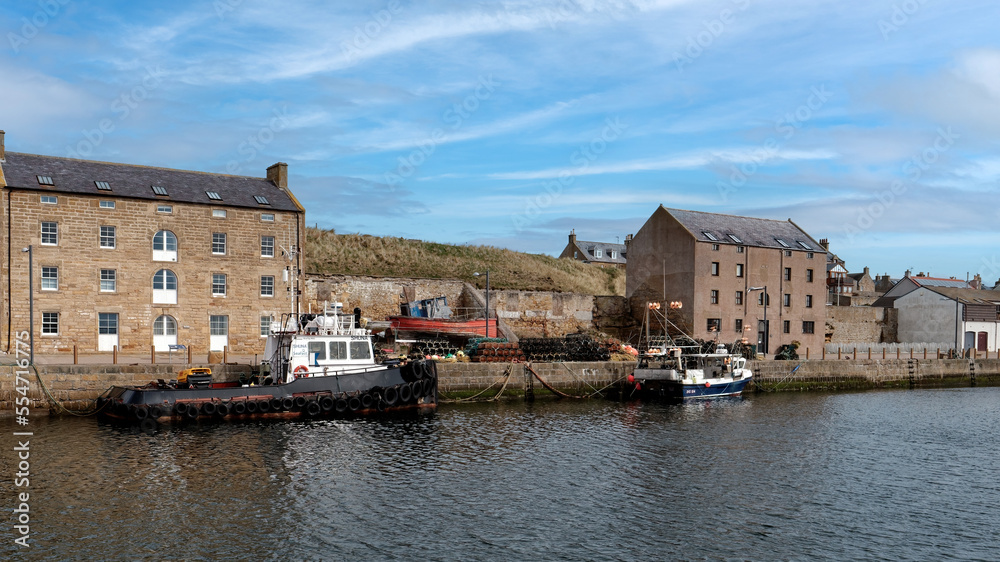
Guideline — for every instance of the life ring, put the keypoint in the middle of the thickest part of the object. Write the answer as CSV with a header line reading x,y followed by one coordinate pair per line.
x,y
301,371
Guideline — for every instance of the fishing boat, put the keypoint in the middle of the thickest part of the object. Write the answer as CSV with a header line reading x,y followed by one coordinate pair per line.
x,y
674,375
681,369
315,365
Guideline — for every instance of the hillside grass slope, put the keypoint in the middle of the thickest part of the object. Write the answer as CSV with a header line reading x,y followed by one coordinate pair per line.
x,y
328,253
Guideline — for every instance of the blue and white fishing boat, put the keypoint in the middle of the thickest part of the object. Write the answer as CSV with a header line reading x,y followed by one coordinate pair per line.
x,y
675,375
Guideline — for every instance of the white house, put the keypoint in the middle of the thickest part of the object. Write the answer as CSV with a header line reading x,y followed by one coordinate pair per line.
x,y
970,317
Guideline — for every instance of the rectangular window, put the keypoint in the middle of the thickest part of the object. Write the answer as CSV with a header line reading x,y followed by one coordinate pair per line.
x,y
107,237
760,299
267,217
267,286
44,180
788,253
715,247
338,350
614,254
159,190
213,195
219,243
786,326
786,300
218,284
713,324
50,323
804,245
50,233
109,280
715,297
49,199
788,274
103,185
739,270
809,275
261,200
360,350
107,204
218,325
265,325
50,278
809,255
740,249
782,242
317,351
267,246
107,323
166,209
219,213
739,297
739,325
809,301
715,268
710,236
598,253
808,327
735,238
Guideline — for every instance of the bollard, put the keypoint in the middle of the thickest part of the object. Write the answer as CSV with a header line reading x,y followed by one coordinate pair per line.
x,y
925,353
152,355
189,354
870,351
807,353
824,353
225,354
911,353
76,355
897,353
856,352
114,355
838,353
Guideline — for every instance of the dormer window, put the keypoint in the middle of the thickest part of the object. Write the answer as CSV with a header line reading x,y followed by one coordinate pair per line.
x,y
213,195
710,236
103,185
261,200
735,238
159,190
614,255
598,253
45,180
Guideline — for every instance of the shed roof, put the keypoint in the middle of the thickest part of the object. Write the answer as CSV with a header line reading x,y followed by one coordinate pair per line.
x,y
81,177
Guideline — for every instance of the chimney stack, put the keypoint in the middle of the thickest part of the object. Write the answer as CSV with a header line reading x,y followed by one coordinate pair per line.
x,y
825,242
572,237
628,240
3,152
866,271
278,175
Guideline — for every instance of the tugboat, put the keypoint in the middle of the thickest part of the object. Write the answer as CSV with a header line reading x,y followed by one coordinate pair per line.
x,y
314,366
683,370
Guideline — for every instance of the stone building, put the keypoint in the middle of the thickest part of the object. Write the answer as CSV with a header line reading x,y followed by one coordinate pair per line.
x,y
602,254
137,256
721,266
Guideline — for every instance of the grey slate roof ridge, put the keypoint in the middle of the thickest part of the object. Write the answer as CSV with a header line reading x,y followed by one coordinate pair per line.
x,y
76,176
750,230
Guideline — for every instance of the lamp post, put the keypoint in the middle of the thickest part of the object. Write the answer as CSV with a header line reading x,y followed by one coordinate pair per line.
x,y
477,274
766,331
31,306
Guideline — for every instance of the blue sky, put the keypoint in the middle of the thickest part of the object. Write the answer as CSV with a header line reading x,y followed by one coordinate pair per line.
x,y
875,124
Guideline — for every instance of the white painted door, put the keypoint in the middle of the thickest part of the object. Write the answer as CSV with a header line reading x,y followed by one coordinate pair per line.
x,y
218,332
107,331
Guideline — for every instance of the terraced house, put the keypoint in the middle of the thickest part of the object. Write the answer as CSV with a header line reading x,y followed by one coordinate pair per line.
x,y
136,256
720,267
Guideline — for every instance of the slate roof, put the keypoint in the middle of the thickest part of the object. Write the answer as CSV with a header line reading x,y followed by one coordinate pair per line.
x,y
587,248
748,231
938,282
884,302
968,296
74,176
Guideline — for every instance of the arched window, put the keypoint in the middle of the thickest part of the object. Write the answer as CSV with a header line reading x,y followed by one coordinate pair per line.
x,y
165,287
164,333
164,246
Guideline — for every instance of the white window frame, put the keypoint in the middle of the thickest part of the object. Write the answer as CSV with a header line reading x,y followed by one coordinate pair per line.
x,y
108,234
267,250
165,209
218,239
267,285
165,254
219,281
165,295
105,204
265,325
50,319
267,217
50,278
109,280
219,213
48,200
598,253
52,232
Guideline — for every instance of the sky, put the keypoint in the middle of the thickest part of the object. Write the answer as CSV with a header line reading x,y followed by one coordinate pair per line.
x,y
872,123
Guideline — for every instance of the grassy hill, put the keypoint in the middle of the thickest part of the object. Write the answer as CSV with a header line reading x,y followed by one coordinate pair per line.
x,y
357,254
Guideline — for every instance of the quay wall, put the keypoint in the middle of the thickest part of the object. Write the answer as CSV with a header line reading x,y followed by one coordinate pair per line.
x,y
76,386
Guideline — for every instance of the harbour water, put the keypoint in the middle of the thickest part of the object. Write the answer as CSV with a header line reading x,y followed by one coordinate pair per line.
x,y
890,475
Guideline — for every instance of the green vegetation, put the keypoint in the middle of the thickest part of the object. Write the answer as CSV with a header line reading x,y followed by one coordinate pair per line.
x,y
328,253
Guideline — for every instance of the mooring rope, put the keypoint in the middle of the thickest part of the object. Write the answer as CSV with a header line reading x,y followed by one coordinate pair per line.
x,y
775,386
581,379
551,388
59,407
505,378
